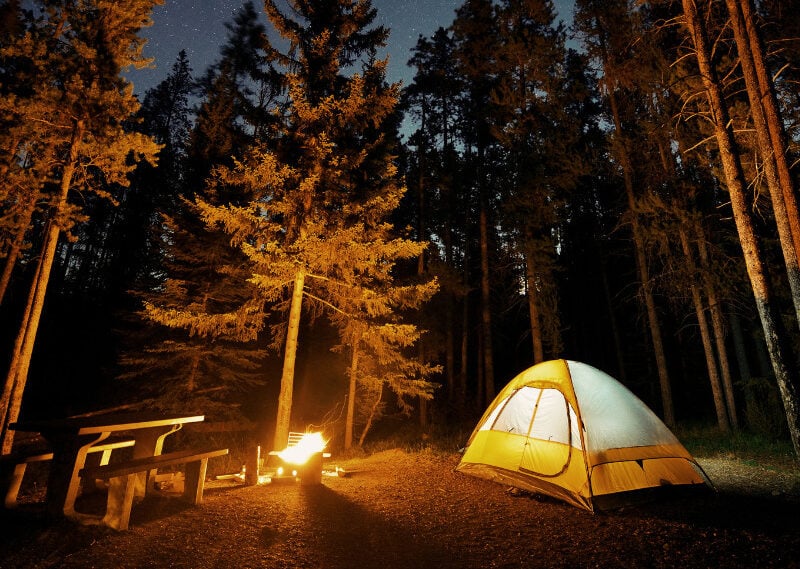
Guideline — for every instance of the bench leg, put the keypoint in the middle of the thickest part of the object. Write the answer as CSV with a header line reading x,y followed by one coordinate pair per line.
x,y
12,480
120,499
195,480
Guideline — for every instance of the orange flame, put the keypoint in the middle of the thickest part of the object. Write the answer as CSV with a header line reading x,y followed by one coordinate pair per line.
x,y
309,445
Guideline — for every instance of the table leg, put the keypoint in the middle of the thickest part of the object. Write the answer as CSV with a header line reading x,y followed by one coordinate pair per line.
x,y
149,442
63,483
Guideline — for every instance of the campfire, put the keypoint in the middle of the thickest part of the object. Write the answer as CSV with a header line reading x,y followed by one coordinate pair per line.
x,y
301,451
301,458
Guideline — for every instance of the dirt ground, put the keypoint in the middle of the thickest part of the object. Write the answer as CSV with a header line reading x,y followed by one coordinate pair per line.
x,y
411,510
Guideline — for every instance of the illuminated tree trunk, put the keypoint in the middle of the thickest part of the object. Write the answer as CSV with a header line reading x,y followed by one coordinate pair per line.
x,y
641,264
774,334
284,415
18,371
372,414
781,191
22,225
705,336
11,389
766,95
351,399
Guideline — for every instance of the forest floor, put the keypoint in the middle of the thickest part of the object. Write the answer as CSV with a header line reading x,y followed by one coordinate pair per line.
x,y
399,509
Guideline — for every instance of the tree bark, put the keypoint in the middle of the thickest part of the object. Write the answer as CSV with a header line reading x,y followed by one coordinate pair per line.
x,y
10,387
718,324
18,372
374,410
705,336
774,334
14,249
284,414
533,308
462,375
351,399
777,134
486,308
612,320
777,190
741,352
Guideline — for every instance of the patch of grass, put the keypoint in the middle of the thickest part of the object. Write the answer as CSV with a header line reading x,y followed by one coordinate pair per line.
x,y
411,438
755,449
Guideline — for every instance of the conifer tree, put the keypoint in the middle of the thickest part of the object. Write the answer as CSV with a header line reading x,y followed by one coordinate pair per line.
x,y
79,103
694,19
607,30
475,33
432,100
316,232
166,115
204,353
532,126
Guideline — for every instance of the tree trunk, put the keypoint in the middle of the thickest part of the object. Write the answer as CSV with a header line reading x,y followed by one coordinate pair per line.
x,y
644,276
774,334
533,309
777,134
462,376
486,308
741,352
18,371
449,349
612,320
351,399
718,323
284,414
10,388
372,413
777,190
705,336
14,249
450,309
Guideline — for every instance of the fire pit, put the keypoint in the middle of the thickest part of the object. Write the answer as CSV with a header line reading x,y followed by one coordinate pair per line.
x,y
302,458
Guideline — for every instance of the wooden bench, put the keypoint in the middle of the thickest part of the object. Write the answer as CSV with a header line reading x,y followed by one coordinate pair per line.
x,y
14,465
122,478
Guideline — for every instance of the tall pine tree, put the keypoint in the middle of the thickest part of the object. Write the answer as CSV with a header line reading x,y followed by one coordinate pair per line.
x,y
79,103
316,232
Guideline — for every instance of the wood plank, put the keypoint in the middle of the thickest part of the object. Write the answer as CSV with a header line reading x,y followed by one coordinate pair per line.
x,y
21,456
103,423
150,462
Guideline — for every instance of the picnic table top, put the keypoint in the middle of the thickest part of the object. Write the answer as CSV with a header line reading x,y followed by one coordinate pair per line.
x,y
104,423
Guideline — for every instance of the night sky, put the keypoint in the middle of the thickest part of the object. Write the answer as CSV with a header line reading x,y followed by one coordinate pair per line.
x,y
198,27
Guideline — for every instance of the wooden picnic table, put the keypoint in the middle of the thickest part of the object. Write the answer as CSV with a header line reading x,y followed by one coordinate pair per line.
x,y
71,438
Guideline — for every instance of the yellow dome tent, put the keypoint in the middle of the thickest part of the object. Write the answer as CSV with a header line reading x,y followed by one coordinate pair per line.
x,y
571,431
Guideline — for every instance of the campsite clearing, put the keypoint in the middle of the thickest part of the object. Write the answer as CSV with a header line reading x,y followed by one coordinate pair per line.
x,y
401,509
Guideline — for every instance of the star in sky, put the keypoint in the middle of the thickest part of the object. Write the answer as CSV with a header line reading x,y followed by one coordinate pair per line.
x,y
199,28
